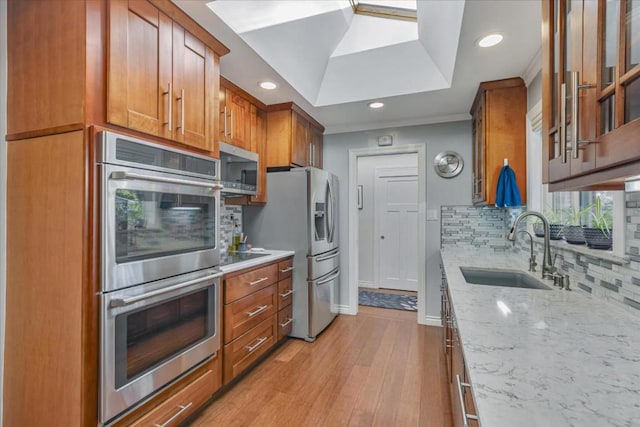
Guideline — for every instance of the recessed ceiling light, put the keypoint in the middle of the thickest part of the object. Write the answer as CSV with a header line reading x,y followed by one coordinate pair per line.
x,y
268,85
376,104
490,40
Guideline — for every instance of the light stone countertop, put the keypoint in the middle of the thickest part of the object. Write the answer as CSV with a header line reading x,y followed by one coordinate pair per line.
x,y
554,358
273,255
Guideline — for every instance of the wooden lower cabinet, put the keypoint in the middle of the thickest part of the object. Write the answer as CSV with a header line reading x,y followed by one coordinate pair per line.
x,y
254,312
174,404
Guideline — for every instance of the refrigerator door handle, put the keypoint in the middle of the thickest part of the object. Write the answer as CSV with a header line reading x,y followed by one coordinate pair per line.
x,y
328,257
328,279
330,212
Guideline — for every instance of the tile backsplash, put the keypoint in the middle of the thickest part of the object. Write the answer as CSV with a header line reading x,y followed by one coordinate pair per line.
x,y
598,273
230,215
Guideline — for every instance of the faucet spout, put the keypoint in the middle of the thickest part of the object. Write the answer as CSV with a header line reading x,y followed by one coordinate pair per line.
x,y
548,269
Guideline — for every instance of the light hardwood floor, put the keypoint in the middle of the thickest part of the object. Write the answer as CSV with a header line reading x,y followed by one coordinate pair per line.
x,y
378,368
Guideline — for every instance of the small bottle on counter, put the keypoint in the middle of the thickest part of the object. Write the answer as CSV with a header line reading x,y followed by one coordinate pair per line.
x,y
237,237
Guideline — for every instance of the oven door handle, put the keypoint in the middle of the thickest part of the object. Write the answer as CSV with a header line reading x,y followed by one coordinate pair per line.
x,y
122,302
122,175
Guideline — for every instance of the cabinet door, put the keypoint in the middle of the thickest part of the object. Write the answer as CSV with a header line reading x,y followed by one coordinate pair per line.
x,y
478,129
259,145
193,86
139,70
619,83
238,120
315,139
300,148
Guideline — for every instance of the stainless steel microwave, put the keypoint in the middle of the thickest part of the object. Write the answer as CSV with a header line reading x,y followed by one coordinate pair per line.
x,y
238,170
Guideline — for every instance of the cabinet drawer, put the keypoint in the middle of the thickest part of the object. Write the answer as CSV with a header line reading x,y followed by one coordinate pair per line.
x,y
285,293
285,268
285,322
243,284
247,312
182,404
239,354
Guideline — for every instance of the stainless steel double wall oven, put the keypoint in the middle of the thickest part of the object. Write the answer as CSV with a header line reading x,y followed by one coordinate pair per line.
x,y
160,299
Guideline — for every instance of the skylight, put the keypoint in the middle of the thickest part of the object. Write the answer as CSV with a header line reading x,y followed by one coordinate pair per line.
x,y
392,9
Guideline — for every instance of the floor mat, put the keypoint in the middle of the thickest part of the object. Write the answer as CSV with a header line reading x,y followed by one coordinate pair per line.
x,y
395,301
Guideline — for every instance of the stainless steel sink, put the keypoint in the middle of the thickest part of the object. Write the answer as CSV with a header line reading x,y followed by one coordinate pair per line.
x,y
499,277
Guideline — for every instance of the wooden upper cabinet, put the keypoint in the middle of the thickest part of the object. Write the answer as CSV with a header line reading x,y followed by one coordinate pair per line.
x,y
235,117
259,145
162,80
316,141
195,75
140,49
499,112
590,93
300,155
293,137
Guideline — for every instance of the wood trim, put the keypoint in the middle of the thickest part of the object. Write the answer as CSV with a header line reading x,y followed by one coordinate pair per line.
x,y
45,132
620,67
630,75
226,83
175,13
293,107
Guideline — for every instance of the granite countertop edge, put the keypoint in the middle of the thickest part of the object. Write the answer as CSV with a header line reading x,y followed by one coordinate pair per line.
x,y
272,255
544,358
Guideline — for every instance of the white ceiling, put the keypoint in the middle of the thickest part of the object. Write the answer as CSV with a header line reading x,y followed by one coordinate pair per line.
x,y
424,75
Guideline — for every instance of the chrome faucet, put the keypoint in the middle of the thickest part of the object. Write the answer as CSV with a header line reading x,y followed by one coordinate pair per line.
x,y
532,256
548,269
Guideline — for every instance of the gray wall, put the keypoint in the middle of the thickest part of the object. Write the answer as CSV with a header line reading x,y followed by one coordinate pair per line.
x,y
534,91
456,191
366,178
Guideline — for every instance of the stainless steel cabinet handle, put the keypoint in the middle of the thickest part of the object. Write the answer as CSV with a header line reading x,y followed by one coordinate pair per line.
x,y
260,280
261,341
282,325
231,123
259,310
286,270
360,197
224,131
310,155
575,114
169,94
121,175
176,415
121,302
563,124
286,294
465,417
182,112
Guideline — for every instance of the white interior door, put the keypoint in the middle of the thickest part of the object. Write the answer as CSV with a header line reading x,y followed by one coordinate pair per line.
x,y
396,228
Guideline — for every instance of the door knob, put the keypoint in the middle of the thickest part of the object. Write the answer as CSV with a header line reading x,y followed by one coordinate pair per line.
x,y
382,237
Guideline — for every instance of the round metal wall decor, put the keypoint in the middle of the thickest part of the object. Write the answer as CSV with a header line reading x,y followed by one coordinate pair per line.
x,y
448,164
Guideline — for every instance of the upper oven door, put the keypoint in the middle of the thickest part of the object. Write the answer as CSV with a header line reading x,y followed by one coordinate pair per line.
x,y
156,225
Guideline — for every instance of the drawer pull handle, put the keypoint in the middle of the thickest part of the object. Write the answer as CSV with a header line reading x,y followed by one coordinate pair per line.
x,y
286,294
260,280
176,415
260,309
282,325
286,270
261,341
465,417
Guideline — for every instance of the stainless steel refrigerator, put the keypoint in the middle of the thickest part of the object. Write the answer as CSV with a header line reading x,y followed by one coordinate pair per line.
x,y
301,214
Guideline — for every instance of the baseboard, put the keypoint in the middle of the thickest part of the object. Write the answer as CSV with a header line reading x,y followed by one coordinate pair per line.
x,y
366,284
433,321
347,309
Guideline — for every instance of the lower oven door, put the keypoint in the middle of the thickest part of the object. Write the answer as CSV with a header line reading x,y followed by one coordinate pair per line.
x,y
154,333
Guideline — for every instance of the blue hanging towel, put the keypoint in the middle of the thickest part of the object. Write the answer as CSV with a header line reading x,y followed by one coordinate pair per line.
x,y
507,193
